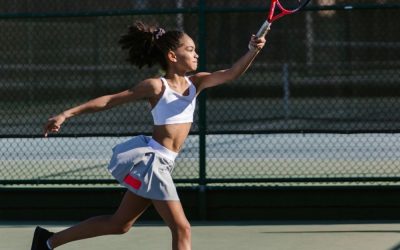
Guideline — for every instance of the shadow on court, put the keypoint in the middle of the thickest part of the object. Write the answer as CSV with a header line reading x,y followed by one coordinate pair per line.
x,y
397,247
228,235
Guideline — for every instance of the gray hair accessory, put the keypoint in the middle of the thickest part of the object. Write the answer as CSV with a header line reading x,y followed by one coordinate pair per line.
x,y
158,33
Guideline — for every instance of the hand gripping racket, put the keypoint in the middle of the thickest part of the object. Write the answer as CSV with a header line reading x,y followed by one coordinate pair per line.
x,y
278,9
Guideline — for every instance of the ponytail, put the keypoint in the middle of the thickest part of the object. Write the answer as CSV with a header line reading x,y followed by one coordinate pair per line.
x,y
148,45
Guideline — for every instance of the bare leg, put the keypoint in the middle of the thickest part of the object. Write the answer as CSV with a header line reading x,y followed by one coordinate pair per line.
x,y
131,207
174,216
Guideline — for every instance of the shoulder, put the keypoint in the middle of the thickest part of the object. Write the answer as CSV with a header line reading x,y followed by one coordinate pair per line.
x,y
153,85
197,78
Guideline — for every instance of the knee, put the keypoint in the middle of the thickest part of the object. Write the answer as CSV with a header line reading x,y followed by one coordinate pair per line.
x,y
122,229
182,230
119,227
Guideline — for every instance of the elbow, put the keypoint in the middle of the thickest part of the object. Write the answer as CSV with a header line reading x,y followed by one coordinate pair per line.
x,y
101,103
232,75
107,103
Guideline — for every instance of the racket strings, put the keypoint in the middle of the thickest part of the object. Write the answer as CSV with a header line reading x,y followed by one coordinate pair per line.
x,y
292,5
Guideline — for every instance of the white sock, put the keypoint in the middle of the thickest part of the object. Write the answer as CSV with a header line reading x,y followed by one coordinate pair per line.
x,y
48,244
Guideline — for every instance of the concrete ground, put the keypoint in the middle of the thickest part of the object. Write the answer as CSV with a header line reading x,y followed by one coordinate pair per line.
x,y
318,235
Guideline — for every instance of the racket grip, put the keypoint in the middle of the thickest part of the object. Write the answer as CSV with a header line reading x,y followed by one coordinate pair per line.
x,y
262,32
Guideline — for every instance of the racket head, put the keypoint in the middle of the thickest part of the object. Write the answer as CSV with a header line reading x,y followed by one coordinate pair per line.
x,y
281,8
292,5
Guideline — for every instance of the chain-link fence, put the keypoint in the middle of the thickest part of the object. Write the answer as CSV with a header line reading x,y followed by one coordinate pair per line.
x,y
317,106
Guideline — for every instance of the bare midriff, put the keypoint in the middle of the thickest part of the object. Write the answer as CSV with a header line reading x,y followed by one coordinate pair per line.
x,y
171,136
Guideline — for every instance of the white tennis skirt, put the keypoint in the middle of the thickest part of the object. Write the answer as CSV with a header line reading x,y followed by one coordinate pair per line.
x,y
144,167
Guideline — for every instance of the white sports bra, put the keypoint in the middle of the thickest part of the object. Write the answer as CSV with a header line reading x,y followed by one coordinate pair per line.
x,y
173,107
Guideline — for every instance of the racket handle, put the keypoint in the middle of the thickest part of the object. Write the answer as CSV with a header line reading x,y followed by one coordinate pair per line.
x,y
262,32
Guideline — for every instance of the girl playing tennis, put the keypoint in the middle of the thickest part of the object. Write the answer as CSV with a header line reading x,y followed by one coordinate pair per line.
x,y
144,164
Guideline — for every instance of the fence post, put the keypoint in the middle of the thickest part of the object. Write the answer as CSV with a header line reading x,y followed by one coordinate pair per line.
x,y
286,90
202,113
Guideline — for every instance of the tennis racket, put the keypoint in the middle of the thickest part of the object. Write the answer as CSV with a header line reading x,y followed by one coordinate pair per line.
x,y
278,9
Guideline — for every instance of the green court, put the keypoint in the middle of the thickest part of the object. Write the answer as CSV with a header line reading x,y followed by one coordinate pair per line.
x,y
329,235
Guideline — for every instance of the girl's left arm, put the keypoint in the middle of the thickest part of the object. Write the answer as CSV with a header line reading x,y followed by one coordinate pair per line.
x,y
204,80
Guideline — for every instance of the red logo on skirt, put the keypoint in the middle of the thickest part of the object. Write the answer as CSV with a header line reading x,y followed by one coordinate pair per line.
x,y
133,182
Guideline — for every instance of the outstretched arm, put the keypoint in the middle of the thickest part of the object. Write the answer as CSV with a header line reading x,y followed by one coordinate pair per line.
x,y
145,89
205,80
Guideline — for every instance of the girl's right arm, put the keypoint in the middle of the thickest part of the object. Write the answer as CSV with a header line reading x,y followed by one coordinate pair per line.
x,y
145,89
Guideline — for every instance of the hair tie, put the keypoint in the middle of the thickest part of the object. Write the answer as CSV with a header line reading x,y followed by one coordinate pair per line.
x,y
158,33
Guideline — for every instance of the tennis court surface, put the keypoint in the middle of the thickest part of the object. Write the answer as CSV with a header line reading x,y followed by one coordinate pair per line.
x,y
330,235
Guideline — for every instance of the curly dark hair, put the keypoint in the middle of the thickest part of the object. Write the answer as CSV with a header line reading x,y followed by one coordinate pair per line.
x,y
148,44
